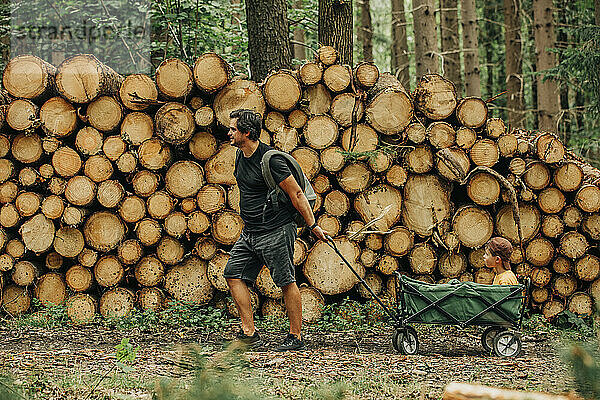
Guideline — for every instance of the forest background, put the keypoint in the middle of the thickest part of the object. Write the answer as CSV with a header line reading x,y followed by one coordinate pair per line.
x,y
537,61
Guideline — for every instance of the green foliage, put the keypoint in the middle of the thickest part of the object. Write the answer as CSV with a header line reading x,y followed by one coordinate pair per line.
x,y
125,354
570,321
188,28
578,70
371,156
583,360
176,315
350,315
44,315
224,376
9,390
304,14
213,379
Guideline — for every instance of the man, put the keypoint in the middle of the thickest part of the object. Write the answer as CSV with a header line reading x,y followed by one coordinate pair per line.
x,y
497,256
266,239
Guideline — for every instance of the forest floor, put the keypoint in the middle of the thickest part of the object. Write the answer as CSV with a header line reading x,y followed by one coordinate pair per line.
x,y
67,362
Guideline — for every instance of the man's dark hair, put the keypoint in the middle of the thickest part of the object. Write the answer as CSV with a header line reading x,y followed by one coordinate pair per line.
x,y
248,121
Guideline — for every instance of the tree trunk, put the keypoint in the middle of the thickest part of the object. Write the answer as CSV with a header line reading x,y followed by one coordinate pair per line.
x,y
335,27
366,30
400,63
547,92
451,43
514,64
470,47
268,49
426,41
299,38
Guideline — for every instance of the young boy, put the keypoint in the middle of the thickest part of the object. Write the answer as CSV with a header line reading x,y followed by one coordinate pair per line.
x,y
497,256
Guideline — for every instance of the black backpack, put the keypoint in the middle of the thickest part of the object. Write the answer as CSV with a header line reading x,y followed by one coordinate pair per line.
x,y
276,196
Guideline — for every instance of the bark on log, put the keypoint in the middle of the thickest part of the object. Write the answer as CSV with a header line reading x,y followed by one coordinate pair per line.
x,y
435,97
82,78
137,92
389,109
174,79
28,77
473,226
282,91
239,94
426,203
211,72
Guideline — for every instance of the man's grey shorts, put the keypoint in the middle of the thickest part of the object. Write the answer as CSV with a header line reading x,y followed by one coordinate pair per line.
x,y
275,249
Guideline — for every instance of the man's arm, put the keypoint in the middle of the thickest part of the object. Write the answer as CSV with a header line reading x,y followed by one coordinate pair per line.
x,y
300,202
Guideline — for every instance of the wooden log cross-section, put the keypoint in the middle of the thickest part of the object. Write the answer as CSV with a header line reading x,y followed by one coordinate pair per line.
x,y
119,191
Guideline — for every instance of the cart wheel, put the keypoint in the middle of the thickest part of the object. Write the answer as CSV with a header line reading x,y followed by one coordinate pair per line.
x,y
487,337
395,340
507,344
406,341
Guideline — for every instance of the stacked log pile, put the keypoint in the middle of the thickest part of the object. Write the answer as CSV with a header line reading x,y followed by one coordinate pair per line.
x,y
119,192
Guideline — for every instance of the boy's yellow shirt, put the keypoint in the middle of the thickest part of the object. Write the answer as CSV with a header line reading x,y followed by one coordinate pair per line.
x,y
506,278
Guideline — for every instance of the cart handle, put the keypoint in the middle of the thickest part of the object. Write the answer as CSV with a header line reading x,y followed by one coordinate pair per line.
x,y
331,244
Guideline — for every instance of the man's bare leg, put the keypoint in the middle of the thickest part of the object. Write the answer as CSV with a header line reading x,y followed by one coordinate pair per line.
x,y
293,304
241,298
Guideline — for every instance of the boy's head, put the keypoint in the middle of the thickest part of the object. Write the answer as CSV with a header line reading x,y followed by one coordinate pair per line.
x,y
498,251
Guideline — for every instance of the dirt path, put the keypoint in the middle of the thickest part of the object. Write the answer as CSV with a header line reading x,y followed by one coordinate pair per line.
x,y
447,354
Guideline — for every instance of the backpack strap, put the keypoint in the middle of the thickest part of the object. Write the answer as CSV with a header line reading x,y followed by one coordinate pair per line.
x,y
274,190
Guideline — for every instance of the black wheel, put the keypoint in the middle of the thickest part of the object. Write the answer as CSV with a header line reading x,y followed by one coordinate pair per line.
x,y
406,341
507,344
395,340
487,337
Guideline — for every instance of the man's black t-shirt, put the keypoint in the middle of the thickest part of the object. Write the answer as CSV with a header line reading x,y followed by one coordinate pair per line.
x,y
254,190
